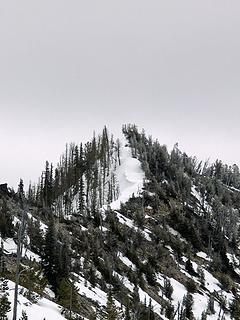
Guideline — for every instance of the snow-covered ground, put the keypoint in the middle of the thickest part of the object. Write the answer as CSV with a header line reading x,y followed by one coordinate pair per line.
x,y
126,261
44,309
130,223
94,293
130,177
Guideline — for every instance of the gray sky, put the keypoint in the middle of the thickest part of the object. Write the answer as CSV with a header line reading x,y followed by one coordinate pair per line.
x,y
69,67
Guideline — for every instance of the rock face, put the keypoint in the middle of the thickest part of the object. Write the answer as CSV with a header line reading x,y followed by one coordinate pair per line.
x,y
4,189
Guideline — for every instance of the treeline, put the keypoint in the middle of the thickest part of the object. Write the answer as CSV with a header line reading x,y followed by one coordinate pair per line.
x,y
175,173
84,179
176,180
160,163
175,169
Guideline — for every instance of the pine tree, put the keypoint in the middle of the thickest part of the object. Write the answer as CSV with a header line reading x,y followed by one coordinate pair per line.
x,y
50,257
5,306
33,280
94,198
210,308
93,316
136,303
118,148
21,194
168,289
67,296
2,260
150,313
36,236
127,312
24,315
20,240
188,305
235,309
6,225
76,166
81,201
3,286
111,310
201,275
31,193
169,311
48,185
204,315
64,261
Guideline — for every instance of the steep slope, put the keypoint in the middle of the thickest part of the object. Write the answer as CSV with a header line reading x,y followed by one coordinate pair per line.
x,y
43,309
157,231
129,175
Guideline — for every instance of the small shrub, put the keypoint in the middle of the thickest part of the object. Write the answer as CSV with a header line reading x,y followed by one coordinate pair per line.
x,y
191,286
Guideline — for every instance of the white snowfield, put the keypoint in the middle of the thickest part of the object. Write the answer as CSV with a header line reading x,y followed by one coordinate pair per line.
x,y
43,309
200,298
130,177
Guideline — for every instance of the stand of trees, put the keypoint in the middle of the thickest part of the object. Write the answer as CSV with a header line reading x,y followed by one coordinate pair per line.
x,y
83,175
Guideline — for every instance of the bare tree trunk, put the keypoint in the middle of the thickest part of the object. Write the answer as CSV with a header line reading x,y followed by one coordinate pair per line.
x,y
20,239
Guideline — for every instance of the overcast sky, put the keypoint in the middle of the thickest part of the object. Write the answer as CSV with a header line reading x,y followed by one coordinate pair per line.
x,y
70,67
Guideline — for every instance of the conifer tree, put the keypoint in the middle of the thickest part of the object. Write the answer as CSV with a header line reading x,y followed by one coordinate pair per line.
x,y
36,236
188,305
136,303
56,184
3,286
2,260
111,310
94,200
168,289
118,148
6,225
93,316
204,315
50,257
20,240
127,312
48,185
64,261
169,311
235,309
210,308
81,201
20,193
24,315
67,296
76,166
5,306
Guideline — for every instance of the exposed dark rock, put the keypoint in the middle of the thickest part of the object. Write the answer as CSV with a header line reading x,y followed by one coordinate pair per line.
x,y
4,189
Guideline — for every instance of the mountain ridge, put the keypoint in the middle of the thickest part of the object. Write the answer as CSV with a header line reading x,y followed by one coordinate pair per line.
x,y
167,250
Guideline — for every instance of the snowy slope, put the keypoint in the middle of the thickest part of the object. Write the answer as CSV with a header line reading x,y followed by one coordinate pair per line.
x,y
130,176
43,309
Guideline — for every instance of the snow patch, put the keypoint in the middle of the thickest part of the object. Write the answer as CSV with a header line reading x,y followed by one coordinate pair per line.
x,y
203,255
130,177
43,309
126,261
